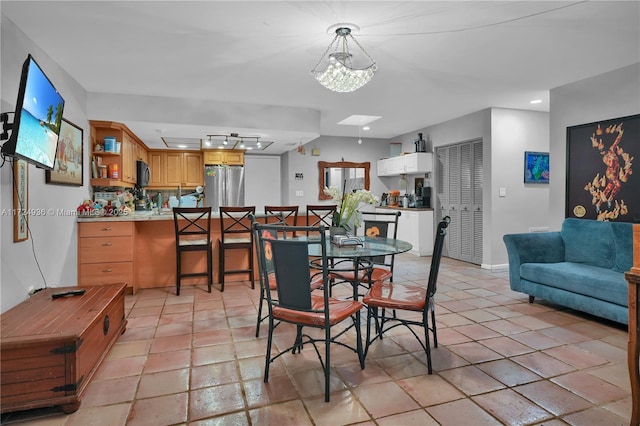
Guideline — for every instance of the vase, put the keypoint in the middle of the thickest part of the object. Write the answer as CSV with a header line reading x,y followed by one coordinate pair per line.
x,y
337,230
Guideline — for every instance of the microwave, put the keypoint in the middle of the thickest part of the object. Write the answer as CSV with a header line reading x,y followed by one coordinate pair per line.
x,y
143,174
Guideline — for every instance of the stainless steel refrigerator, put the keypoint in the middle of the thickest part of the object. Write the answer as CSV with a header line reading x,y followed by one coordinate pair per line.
x,y
223,186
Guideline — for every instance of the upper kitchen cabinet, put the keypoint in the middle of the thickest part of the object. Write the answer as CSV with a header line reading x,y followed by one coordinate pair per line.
x,y
414,163
224,157
176,168
122,164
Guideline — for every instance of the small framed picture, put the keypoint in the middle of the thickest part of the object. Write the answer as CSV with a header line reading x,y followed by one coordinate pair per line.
x,y
20,200
536,167
68,167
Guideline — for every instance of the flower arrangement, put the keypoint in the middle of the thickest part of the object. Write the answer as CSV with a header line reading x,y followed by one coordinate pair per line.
x,y
347,215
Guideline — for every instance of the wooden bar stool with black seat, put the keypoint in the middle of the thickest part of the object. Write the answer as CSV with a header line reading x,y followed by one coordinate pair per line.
x,y
193,233
236,234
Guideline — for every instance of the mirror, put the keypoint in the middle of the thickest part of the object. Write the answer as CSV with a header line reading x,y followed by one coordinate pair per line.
x,y
335,174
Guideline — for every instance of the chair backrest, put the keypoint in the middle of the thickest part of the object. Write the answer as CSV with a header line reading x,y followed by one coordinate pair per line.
x,y
280,214
441,232
235,222
192,224
320,214
289,260
383,225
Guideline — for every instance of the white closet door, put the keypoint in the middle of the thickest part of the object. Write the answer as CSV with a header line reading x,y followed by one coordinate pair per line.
x,y
459,195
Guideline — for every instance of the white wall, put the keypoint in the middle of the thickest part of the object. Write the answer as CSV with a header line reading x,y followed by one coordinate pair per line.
x,y
506,134
52,237
331,149
611,95
262,181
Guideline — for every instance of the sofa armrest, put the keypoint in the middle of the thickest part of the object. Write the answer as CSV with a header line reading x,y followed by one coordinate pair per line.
x,y
535,247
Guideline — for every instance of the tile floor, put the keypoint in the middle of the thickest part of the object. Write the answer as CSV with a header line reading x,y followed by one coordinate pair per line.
x,y
195,360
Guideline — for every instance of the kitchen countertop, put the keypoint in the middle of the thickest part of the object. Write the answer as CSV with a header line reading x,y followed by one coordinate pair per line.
x,y
405,208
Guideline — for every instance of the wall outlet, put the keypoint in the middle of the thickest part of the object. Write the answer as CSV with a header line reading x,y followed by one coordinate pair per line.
x,y
299,193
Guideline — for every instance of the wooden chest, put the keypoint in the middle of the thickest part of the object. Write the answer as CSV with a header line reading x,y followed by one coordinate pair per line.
x,y
51,348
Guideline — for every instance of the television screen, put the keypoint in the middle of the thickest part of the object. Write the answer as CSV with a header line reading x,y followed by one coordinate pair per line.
x,y
37,119
536,167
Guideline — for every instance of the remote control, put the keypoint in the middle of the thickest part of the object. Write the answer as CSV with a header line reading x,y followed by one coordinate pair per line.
x,y
78,292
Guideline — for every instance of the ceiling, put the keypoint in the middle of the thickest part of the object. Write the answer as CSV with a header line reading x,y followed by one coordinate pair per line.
x,y
437,60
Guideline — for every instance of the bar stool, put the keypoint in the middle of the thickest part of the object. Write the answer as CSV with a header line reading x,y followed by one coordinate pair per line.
x,y
193,233
320,214
280,214
236,234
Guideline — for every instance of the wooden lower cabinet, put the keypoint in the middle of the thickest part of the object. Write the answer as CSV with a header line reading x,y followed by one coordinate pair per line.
x,y
105,253
51,348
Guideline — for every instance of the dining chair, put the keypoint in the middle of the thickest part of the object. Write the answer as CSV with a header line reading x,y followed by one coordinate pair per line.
x,y
236,234
375,224
403,297
296,302
321,214
267,280
283,215
193,233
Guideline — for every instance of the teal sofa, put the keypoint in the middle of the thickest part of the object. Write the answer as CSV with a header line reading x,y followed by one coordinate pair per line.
x,y
581,266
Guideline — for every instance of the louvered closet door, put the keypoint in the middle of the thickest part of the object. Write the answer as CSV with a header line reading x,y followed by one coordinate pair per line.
x,y
459,195
478,179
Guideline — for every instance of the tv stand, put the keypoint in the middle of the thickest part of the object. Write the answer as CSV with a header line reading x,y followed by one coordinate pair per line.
x,y
50,348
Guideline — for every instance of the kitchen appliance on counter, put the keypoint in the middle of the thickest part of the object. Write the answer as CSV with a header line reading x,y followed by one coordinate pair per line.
x,y
224,186
424,197
421,144
143,174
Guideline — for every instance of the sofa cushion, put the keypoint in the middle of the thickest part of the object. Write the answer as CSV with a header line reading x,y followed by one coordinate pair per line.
x,y
588,241
599,283
623,241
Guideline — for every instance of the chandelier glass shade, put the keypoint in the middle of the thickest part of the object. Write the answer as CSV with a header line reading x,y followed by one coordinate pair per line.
x,y
340,74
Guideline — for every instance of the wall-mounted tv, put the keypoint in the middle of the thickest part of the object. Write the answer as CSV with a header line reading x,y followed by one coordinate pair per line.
x,y
536,167
37,119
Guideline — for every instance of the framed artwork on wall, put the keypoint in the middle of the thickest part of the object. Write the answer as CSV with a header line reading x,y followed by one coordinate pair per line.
x,y
600,180
20,200
536,167
68,168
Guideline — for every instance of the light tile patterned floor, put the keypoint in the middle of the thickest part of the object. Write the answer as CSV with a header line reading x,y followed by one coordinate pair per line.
x,y
194,360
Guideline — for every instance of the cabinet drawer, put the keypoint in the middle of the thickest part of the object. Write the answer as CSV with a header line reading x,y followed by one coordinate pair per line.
x,y
106,273
99,229
106,249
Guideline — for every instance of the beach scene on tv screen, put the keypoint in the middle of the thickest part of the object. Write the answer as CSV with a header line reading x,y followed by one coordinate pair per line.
x,y
40,119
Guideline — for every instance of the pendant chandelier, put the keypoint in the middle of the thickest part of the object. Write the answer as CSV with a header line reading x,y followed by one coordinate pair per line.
x,y
340,74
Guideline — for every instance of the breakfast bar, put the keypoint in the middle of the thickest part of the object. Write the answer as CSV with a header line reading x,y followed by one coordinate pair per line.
x,y
139,250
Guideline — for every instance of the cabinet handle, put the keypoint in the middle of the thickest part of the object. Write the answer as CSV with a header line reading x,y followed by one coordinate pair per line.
x,y
107,270
465,209
106,244
106,229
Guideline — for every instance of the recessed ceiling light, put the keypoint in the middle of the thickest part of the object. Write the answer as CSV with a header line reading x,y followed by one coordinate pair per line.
x,y
366,128
536,101
182,146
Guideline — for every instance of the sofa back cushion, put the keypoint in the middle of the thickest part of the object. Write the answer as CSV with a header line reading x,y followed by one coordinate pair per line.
x,y
623,240
588,241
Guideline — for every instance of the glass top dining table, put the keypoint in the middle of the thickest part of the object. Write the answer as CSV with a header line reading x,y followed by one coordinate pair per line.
x,y
359,255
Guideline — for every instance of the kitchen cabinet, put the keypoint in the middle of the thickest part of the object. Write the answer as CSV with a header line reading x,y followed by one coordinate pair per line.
x,y
131,150
170,169
416,227
224,157
414,163
105,253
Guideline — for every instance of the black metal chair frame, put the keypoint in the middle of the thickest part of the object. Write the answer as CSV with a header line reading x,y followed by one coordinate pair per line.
x,y
193,233
236,234
294,274
320,214
428,307
381,221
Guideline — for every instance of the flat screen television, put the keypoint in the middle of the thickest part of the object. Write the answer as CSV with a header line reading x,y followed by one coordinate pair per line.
x,y
38,115
536,167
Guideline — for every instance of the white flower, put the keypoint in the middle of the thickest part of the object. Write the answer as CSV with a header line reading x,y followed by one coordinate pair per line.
x,y
347,214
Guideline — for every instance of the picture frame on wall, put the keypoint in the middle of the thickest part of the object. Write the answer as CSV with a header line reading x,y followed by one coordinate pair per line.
x,y
20,200
536,167
68,169
600,161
